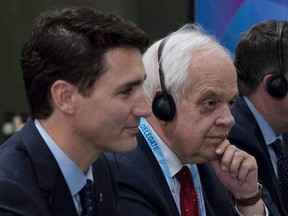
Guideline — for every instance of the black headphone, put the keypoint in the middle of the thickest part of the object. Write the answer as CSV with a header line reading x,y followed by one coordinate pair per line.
x,y
277,84
163,105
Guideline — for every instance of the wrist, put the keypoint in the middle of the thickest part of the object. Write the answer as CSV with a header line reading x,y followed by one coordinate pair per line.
x,y
252,200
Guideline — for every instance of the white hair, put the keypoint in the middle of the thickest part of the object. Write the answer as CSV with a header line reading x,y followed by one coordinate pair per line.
x,y
180,51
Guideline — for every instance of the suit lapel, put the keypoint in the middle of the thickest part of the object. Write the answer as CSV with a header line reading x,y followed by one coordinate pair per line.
x,y
106,189
256,145
244,113
50,179
61,201
208,208
211,189
158,173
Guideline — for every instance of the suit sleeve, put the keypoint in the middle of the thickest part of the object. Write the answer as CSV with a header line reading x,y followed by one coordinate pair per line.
x,y
16,200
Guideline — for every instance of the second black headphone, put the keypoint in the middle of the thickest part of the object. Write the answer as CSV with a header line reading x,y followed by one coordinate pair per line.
x,y
277,84
163,105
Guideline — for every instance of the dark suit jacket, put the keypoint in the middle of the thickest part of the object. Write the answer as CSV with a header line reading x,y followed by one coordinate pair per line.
x,y
32,184
143,189
247,135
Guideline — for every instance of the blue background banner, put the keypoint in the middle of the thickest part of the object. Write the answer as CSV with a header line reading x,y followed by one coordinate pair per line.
x,y
227,19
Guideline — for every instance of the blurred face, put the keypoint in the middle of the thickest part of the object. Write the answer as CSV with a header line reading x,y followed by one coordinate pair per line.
x,y
108,119
203,118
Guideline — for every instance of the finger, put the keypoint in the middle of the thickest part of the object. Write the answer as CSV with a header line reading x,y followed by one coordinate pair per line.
x,y
222,147
248,165
227,157
237,161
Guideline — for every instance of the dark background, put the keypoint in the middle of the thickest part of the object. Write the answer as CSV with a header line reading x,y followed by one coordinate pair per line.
x,y
156,17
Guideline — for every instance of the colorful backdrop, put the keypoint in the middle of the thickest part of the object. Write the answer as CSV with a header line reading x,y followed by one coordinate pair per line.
x,y
227,19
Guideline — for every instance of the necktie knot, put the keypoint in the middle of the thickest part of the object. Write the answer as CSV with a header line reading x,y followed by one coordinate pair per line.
x,y
87,199
184,177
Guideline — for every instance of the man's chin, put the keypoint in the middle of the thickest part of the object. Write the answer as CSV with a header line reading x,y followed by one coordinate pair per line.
x,y
128,146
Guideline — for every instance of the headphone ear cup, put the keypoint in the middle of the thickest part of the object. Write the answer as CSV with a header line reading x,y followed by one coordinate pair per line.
x,y
277,86
163,107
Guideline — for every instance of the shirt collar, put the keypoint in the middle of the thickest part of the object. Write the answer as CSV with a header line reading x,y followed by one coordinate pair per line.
x,y
72,173
173,163
267,132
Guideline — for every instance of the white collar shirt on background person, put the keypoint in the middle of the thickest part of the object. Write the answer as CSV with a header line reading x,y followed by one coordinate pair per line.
x,y
73,175
267,132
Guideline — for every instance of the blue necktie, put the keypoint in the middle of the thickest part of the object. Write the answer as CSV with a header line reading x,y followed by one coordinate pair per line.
x,y
282,169
87,199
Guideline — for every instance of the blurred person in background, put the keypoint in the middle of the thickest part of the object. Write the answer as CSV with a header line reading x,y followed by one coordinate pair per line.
x,y
261,110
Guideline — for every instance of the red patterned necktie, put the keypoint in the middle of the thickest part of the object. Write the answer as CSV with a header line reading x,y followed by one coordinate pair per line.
x,y
188,195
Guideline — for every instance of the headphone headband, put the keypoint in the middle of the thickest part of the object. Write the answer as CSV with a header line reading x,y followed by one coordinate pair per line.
x,y
279,29
163,105
277,85
161,74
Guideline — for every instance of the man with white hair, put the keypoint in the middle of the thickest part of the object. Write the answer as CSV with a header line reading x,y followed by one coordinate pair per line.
x,y
191,84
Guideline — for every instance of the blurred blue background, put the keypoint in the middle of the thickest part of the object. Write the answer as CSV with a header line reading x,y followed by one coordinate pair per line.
x,y
227,19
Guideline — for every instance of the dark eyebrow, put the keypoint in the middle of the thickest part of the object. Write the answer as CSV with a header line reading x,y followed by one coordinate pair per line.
x,y
135,82
138,82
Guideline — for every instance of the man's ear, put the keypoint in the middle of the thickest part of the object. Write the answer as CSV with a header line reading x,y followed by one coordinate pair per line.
x,y
276,85
266,77
62,92
157,92
265,80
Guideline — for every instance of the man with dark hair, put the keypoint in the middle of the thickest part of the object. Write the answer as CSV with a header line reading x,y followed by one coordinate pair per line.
x,y
261,110
83,74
